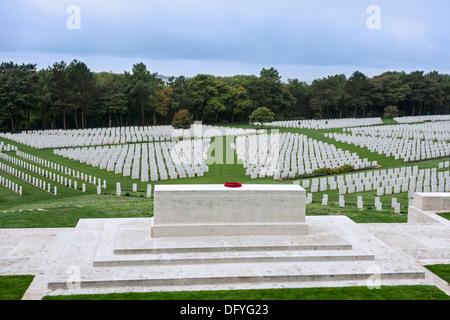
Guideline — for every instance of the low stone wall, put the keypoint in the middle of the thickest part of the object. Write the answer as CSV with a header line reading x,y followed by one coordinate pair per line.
x,y
424,206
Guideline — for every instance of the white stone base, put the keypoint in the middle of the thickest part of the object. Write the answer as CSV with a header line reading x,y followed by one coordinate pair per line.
x,y
432,201
215,210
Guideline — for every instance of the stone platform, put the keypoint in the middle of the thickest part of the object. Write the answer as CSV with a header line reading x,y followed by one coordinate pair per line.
x,y
119,255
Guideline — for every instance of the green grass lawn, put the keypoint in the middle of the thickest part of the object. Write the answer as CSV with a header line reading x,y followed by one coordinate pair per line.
x,y
445,215
339,293
66,212
442,270
14,287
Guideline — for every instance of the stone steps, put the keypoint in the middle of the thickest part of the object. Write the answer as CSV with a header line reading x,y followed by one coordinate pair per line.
x,y
213,258
203,250
118,254
206,274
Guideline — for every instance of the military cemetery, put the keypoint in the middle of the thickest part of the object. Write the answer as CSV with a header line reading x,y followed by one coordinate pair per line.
x,y
257,164
260,230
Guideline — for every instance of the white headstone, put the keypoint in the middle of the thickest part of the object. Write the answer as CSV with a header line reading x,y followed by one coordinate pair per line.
x,y
325,200
118,189
393,202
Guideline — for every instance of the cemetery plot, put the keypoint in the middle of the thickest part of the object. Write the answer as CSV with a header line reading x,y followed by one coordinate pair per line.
x,y
408,142
287,155
59,178
385,182
28,178
50,139
147,161
11,185
422,118
326,123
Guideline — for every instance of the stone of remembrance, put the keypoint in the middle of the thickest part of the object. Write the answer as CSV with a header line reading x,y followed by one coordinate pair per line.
x,y
216,210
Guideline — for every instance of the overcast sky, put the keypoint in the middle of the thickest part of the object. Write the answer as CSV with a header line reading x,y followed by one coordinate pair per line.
x,y
301,39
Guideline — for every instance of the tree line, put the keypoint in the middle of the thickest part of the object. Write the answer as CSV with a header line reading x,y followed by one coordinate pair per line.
x,y
71,96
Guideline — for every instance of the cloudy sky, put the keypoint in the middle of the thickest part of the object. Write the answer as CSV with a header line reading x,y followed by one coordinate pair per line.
x,y
301,39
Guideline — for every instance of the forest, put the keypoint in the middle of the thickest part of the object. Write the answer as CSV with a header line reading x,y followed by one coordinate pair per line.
x,y
71,96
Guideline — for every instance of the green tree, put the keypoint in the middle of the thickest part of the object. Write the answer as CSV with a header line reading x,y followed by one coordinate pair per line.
x,y
393,87
60,89
445,85
272,93
326,93
143,85
434,95
178,97
112,98
219,99
83,89
240,102
45,99
18,92
299,90
161,102
261,115
391,112
200,90
358,89
416,82
182,119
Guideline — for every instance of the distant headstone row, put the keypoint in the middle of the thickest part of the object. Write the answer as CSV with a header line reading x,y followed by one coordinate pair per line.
x,y
50,139
326,123
426,131
422,118
407,142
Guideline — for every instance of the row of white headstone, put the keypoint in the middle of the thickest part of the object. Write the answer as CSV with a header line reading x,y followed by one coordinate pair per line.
x,y
439,131
385,182
148,161
399,148
325,123
50,139
359,202
412,119
11,185
134,189
7,147
75,174
284,155
60,179
28,178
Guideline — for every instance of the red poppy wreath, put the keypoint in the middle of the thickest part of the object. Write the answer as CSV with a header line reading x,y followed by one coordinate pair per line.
x,y
232,184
